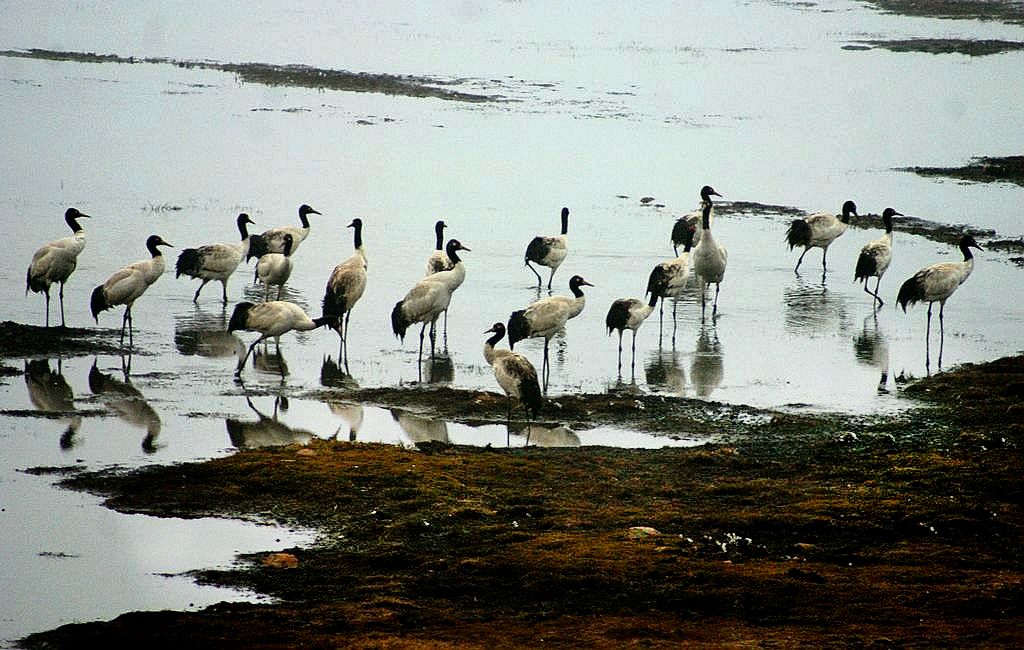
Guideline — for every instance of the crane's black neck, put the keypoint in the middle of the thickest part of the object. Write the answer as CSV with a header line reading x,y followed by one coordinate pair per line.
x,y
243,219
305,210
576,287
652,302
439,232
849,211
453,252
887,220
497,336
565,221
71,218
705,217
357,236
966,250
151,245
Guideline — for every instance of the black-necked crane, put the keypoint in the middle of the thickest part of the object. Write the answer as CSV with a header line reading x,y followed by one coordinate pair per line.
x,y
515,374
346,286
56,261
215,261
875,257
549,251
272,319
438,260
276,268
628,314
427,299
936,283
546,317
668,279
272,241
709,260
692,220
128,284
819,231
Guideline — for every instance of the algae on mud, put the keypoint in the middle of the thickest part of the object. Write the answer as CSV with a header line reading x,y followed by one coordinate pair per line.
x,y
829,531
300,76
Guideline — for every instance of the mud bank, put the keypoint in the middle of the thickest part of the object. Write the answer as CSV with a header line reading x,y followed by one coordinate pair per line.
x,y
887,533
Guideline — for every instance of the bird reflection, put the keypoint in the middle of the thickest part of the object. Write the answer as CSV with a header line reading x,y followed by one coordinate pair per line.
x,y
438,370
269,362
50,392
421,429
335,376
707,369
663,371
205,334
127,401
266,431
811,308
543,436
871,349
351,413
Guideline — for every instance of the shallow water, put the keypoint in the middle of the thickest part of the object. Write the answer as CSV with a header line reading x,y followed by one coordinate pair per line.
x,y
757,99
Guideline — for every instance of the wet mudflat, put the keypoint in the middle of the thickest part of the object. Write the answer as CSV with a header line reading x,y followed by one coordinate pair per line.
x,y
892,532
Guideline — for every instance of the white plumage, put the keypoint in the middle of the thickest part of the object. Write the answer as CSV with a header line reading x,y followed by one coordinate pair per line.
x,y
272,319
427,299
628,314
549,251
709,260
668,279
346,286
875,257
56,261
128,284
819,231
692,220
275,268
546,317
438,260
514,373
272,241
215,261
936,283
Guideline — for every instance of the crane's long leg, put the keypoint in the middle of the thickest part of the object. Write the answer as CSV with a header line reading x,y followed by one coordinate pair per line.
x,y
877,282
620,353
824,266
47,293
202,284
535,273
633,362
551,277
942,331
419,358
224,290
800,261
927,340
61,295
245,358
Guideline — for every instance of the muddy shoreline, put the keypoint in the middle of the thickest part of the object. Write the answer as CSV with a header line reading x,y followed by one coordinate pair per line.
x,y
793,530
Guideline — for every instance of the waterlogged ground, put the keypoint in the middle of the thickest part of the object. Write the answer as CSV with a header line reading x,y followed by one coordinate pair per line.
x,y
809,531
493,119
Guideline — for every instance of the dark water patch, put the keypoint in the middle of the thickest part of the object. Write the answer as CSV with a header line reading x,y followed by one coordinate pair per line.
x,y
982,169
300,76
965,46
18,340
1007,11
